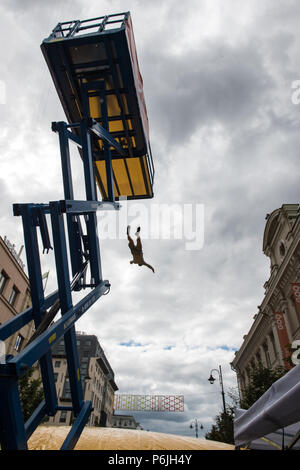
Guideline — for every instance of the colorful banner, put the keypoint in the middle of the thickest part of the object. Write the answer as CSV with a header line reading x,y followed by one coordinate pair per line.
x,y
282,333
296,294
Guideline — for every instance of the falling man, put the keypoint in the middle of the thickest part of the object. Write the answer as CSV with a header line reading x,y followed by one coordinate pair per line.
x,y
136,250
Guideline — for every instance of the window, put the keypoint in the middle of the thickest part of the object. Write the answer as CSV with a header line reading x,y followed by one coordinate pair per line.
x,y
63,417
67,390
266,350
13,296
242,380
3,279
258,357
282,249
57,364
273,343
18,343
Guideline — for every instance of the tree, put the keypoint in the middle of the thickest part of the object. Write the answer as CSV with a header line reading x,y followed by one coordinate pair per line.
x,y
31,393
222,431
260,380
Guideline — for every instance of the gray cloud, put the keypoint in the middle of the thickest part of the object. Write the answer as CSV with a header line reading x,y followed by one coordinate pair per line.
x,y
224,133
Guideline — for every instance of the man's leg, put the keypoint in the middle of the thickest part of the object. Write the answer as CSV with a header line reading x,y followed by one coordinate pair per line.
x,y
138,239
131,243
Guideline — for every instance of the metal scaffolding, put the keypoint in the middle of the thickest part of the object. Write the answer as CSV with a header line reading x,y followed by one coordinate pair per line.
x,y
73,224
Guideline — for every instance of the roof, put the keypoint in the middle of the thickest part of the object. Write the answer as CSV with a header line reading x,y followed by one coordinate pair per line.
x,y
290,210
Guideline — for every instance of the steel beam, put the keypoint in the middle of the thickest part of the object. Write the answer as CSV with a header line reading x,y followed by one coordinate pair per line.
x,y
76,430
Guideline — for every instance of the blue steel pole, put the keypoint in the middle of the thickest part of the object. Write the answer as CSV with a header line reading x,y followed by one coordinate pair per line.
x,y
107,152
91,195
77,427
61,260
12,429
37,296
72,221
32,352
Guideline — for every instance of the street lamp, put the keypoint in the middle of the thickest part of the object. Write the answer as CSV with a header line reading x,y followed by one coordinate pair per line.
x,y
196,426
212,379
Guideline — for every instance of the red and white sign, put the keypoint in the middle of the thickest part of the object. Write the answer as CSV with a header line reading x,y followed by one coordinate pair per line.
x,y
282,333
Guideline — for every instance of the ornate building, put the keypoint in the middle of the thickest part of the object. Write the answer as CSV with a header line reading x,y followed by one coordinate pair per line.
x,y
276,325
97,379
14,294
125,422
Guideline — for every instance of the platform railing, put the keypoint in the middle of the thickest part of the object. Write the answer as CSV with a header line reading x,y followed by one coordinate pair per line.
x,y
73,28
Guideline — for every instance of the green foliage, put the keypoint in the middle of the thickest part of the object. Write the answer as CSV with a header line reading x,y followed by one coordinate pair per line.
x,y
31,393
222,431
261,379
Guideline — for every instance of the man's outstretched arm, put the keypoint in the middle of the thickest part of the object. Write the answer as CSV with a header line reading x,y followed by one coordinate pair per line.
x,y
148,266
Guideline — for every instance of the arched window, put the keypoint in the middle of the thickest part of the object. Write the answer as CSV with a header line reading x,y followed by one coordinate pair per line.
x,y
267,355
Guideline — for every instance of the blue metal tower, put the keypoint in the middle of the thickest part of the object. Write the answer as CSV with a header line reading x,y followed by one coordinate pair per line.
x,y
94,67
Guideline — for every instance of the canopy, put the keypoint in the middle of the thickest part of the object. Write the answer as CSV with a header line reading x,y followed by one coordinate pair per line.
x,y
277,408
278,440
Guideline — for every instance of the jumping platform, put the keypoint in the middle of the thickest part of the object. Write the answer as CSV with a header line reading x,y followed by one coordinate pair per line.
x,y
95,69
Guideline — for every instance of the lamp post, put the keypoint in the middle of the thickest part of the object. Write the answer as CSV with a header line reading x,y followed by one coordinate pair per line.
x,y
196,426
212,379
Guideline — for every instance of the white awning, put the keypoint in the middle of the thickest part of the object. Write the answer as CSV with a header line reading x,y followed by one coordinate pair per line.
x,y
277,408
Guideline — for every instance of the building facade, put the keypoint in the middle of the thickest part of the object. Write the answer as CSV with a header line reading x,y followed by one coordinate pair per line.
x,y
124,422
276,324
97,379
14,294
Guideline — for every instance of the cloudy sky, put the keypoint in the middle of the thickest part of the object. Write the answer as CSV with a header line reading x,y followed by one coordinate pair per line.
x,y
224,133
